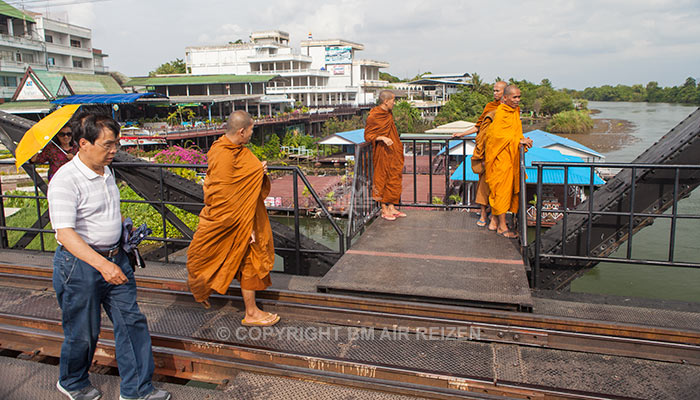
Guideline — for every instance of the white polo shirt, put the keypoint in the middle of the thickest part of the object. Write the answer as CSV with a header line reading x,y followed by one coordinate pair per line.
x,y
87,202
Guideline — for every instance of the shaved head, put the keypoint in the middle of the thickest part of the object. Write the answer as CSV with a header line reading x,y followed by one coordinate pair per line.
x,y
511,96
498,88
386,99
238,120
510,89
385,95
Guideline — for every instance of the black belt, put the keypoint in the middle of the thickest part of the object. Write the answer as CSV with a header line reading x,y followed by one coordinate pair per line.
x,y
108,253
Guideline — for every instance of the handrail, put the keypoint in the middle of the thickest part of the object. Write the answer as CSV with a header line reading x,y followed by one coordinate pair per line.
x,y
632,218
160,206
522,213
362,207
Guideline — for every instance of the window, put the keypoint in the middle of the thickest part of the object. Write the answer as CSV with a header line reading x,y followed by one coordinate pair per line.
x,y
8,81
77,63
48,39
51,61
18,57
75,43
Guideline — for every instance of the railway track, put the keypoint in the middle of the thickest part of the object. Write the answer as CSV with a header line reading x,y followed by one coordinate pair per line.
x,y
206,355
526,329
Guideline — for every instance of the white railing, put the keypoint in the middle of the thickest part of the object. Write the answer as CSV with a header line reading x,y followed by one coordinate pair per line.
x,y
317,72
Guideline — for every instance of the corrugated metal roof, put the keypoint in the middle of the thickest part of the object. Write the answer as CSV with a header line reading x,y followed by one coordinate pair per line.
x,y
546,139
108,98
197,79
80,83
51,80
356,136
550,175
9,11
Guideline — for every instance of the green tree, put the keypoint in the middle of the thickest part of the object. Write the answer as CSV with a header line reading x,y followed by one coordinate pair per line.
x,y
406,117
555,102
479,86
464,105
173,67
388,77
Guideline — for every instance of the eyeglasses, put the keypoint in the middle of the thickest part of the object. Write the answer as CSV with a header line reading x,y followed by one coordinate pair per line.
x,y
114,146
65,134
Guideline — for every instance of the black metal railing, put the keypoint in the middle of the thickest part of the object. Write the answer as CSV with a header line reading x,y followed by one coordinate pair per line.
x,y
436,148
362,207
522,209
161,206
632,218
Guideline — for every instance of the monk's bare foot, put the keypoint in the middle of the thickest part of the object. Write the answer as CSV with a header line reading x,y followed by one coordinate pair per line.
x,y
205,304
508,234
260,318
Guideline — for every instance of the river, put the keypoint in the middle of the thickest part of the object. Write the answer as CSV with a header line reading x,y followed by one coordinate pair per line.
x,y
652,121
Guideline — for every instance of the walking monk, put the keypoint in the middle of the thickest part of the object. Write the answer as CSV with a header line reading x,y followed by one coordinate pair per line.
x,y
481,127
234,238
502,159
381,132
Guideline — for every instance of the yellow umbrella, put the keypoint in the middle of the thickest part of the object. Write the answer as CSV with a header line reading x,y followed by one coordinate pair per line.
x,y
41,133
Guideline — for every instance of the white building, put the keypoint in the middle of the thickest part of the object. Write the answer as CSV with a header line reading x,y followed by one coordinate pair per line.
x,y
322,72
29,39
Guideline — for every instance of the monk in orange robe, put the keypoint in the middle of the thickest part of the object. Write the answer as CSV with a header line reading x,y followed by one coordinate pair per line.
x,y
234,238
482,189
502,160
387,157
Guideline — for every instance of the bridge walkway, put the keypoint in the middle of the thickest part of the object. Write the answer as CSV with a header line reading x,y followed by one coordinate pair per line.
x,y
433,256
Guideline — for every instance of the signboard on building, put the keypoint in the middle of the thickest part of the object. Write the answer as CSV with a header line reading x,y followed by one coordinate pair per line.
x,y
338,69
339,55
31,91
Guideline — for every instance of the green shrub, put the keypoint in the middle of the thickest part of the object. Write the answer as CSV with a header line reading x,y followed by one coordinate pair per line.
x,y
570,122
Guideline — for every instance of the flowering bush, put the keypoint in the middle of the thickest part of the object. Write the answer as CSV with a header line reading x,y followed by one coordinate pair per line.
x,y
181,155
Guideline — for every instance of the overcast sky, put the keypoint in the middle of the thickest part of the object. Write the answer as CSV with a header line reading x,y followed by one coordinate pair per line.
x,y
575,44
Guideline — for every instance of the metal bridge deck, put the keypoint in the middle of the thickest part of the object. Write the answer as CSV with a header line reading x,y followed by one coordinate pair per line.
x,y
32,380
609,376
433,256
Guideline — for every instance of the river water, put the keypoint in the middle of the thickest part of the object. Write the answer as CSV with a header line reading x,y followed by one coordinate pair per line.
x,y
652,121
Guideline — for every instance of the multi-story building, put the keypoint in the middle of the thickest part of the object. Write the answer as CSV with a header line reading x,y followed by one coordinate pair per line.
x,y
29,39
322,72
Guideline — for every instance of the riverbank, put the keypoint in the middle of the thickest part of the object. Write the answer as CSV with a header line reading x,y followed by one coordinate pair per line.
x,y
607,135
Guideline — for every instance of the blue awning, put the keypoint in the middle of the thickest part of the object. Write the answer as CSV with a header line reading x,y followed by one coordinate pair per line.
x,y
122,98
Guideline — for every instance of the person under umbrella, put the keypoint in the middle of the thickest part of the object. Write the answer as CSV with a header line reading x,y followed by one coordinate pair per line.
x,y
60,149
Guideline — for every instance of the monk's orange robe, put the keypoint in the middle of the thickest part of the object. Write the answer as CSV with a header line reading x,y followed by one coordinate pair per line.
x,y
234,191
490,106
478,164
502,159
387,160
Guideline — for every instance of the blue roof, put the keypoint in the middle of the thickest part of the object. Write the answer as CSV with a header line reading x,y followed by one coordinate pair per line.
x,y
357,136
546,139
550,175
107,98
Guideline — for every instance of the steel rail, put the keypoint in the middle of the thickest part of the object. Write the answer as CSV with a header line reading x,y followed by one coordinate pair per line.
x,y
216,362
661,344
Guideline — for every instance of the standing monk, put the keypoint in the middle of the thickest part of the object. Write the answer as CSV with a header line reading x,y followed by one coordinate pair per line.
x,y
381,132
481,127
234,238
502,159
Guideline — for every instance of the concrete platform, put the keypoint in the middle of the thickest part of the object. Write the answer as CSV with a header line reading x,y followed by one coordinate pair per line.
x,y
433,256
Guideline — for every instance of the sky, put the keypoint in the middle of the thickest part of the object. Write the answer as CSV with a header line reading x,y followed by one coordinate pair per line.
x,y
574,44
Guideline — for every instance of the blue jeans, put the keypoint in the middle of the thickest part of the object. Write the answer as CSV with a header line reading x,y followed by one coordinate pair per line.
x,y
80,290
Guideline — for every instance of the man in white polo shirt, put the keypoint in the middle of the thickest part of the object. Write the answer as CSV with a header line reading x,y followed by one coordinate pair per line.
x,y
91,271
